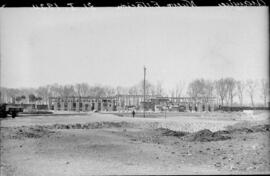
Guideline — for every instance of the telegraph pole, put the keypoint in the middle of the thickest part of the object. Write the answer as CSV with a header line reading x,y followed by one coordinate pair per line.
x,y
144,74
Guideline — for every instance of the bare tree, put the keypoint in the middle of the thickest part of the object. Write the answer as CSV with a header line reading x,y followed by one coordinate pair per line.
x,y
4,94
109,91
240,87
265,90
68,91
98,91
250,88
10,95
44,93
201,88
197,88
82,89
231,84
209,90
55,90
159,89
148,87
152,90
221,89
121,90
133,90
172,93
118,90
180,88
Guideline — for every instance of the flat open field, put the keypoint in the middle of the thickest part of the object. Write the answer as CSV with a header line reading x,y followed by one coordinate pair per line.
x,y
98,144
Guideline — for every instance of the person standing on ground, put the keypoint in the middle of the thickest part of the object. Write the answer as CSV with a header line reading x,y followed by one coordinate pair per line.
x,y
133,113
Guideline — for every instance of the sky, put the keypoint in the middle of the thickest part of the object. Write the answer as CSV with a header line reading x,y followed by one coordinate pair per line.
x,y
110,46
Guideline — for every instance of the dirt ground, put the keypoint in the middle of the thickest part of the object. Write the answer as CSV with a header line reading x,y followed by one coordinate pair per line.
x,y
98,144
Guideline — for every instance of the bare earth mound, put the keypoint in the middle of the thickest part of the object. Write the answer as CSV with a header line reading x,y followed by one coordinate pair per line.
x,y
131,146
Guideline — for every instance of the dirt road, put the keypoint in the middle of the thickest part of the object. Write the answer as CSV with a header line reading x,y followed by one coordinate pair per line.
x,y
95,144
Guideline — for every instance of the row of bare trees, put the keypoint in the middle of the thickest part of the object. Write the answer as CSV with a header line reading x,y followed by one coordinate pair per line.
x,y
43,93
226,90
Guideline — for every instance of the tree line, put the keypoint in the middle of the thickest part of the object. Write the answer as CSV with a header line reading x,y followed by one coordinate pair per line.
x,y
227,91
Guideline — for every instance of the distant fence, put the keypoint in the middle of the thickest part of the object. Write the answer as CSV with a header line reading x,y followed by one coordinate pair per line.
x,y
240,108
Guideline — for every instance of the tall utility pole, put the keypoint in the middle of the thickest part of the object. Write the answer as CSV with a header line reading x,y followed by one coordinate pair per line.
x,y
144,74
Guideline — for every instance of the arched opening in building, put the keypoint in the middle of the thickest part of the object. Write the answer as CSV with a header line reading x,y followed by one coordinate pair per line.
x,y
86,107
80,106
93,106
58,106
73,106
65,106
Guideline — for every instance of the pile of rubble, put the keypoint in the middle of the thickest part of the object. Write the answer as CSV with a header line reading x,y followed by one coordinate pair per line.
x,y
201,136
95,125
206,135
32,132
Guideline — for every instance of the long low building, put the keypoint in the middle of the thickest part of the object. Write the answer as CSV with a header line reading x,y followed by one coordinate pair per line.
x,y
128,102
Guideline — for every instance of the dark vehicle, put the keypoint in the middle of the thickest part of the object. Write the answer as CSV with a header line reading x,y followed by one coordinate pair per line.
x,y
10,109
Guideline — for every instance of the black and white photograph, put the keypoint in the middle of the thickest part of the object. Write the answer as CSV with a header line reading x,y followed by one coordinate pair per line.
x,y
134,90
